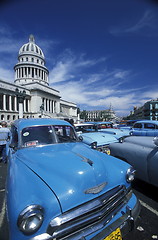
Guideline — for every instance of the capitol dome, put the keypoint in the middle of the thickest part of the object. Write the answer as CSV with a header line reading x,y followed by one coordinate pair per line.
x,y
31,64
31,48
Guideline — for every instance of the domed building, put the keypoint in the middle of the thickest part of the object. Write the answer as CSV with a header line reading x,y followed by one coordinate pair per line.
x,y
31,91
31,64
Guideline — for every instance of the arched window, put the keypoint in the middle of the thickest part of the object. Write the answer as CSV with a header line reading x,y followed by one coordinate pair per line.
x,y
36,49
2,117
32,48
27,48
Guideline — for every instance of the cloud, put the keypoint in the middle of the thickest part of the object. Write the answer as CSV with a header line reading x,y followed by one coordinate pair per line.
x,y
6,75
73,92
150,94
8,44
146,25
86,81
147,21
75,78
61,72
98,90
70,66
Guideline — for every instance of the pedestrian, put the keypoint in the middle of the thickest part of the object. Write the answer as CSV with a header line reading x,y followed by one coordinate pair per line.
x,y
5,136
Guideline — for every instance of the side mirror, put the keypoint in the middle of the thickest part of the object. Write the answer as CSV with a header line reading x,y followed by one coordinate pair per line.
x,y
155,140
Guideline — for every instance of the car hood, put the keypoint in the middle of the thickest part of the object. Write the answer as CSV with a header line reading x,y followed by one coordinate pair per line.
x,y
68,170
100,137
123,132
141,141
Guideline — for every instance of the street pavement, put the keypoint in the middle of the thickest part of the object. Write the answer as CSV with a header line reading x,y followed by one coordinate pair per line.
x,y
3,223
147,224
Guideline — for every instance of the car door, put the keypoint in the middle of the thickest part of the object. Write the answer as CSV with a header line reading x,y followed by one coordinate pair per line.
x,y
150,129
138,130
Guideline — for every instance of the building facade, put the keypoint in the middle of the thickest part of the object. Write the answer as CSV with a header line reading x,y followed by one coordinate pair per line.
x,y
31,85
148,111
98,115
151,110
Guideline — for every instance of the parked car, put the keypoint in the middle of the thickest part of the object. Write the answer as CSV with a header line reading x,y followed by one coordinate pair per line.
x,y
107,127
59,188
145,128
126,124
142,153
104,125
90,135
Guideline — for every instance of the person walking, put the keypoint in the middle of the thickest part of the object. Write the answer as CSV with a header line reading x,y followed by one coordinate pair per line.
x,y
5,136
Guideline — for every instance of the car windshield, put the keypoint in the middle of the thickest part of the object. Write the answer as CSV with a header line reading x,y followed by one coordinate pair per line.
x,y
43,135
105,125
86,128
65,134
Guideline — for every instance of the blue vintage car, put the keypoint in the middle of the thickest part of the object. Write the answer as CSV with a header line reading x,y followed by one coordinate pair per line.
x,y
145,128
59,188
107,127
126,124
142,153
91,135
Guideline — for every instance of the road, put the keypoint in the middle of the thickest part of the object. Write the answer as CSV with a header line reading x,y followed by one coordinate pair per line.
x,y
147,224
3,224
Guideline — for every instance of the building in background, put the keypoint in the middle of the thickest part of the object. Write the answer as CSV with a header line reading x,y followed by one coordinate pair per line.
x,y
98,115
148,111
32,84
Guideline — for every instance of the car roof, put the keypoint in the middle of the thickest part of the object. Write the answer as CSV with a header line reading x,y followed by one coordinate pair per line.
x,y
91,123
147,121
22,123
83,124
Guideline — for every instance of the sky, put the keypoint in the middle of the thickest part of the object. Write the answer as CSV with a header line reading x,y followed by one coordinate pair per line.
x,y
99,53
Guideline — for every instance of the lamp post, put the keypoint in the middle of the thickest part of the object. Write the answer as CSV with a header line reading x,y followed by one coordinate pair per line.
x,y
42,109
20,96
78,115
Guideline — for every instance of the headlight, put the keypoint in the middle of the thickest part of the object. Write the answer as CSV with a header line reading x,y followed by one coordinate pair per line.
x,y
130,174
107,151
121,140
94,145
30,219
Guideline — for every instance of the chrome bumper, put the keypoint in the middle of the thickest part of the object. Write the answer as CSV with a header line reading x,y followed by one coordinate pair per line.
x,y
126,223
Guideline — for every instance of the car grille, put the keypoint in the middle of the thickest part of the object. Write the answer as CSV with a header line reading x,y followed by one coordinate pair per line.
x,y
89,217
104,149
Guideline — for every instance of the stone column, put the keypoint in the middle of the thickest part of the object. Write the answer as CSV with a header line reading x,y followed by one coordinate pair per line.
x,y
10,102
15,103
20,110
51,106
24,105
27,72
4,102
